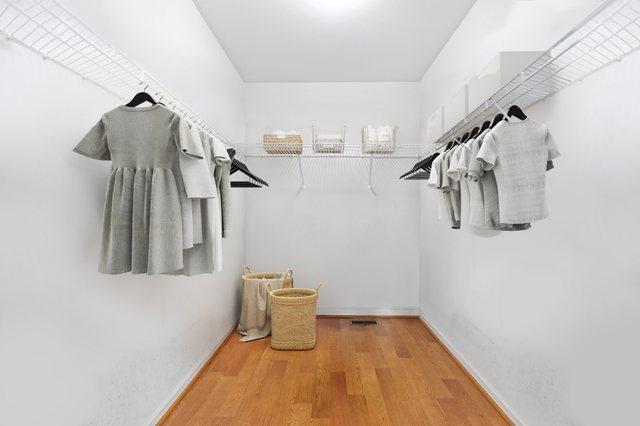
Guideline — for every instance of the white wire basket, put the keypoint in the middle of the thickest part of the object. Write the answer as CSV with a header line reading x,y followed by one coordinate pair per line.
x,y
327,142
379,139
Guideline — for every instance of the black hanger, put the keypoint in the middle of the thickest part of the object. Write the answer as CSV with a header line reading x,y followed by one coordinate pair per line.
x,y
498,118
485,126
422,164
237,165
515,111
244,184
474,132
465,138
139,98
419,176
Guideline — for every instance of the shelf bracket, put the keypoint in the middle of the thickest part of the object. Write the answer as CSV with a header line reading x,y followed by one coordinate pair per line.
x,y
502,111
370,184
302,184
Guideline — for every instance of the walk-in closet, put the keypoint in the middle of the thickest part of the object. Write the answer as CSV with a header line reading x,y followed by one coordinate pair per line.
x,y
334,212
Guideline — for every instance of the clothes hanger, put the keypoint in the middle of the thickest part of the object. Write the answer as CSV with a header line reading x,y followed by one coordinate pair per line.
x,y
140,98
465,138
422,164
515,111
485,126
474,133
498,118
244,184
237,165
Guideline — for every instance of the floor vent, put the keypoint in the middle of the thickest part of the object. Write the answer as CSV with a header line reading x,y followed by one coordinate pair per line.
x,y
363,322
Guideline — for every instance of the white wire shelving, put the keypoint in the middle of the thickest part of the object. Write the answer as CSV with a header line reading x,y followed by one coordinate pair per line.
x,y
609,33
57,35
355,163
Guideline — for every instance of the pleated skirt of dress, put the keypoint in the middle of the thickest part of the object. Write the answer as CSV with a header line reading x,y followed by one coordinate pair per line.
x,y
142,228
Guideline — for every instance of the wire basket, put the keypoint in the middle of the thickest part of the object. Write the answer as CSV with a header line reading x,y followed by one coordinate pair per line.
x,y
328,143
379,140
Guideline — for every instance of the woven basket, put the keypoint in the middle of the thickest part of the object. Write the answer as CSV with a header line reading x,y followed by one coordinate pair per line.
x,y
287,276
293,318
290,144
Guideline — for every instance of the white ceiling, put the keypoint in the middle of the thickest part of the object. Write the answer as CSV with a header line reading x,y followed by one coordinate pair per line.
x,y
332,40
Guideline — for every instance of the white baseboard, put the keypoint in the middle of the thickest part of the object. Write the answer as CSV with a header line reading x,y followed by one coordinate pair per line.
x,y
486,386
400,312
187,380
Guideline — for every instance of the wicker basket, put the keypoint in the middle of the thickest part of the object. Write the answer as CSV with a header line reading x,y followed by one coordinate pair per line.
x,y
287,276
293,318
289,144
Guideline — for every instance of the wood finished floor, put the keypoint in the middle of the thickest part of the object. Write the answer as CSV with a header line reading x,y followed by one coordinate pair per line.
x,y
395,373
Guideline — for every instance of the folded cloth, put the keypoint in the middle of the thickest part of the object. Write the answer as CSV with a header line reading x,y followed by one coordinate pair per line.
x,y
255,316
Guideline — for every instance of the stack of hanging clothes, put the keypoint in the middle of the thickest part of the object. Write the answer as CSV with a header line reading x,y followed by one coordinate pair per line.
x,y
496,179
167,195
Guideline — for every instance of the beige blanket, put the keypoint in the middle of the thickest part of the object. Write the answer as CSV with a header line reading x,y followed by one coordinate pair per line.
x,y
255,317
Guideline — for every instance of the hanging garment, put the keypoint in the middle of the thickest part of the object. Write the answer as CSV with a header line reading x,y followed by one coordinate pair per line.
x,y
222,179
484,198
519,153
435,181
473,170
454,186
206,257
142,226
448,192
458,171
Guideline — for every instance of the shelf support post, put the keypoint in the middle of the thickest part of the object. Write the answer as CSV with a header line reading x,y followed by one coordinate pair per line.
x,y
302,184
370,184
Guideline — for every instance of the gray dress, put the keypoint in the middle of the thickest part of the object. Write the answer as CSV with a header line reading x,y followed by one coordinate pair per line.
x,y
143,220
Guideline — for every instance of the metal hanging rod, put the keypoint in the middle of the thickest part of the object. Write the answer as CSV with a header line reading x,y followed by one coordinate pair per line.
x,y
609,33
52,31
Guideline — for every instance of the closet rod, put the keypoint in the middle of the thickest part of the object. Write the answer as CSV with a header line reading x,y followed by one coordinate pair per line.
x,y
609,33
52,31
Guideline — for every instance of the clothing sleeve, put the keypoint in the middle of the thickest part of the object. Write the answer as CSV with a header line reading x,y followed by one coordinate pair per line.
x,y
444,166
475,166
488,153
463,163
452,170
94,143
552,149
195,172
219,152
186,140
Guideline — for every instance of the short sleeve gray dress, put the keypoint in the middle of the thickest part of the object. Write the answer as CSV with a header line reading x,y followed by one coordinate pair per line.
x,y
142,228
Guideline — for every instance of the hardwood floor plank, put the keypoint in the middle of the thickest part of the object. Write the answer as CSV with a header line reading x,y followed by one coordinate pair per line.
x,y
394,373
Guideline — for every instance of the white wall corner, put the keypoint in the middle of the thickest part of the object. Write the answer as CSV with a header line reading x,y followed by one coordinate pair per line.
x,y
476,375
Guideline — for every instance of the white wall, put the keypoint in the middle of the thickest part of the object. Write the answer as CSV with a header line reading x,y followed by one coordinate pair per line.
x,y
78,347
547,318
363,248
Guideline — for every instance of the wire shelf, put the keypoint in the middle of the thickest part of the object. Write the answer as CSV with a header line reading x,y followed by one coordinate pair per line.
x,y
608,34
349,151
52,31
308,165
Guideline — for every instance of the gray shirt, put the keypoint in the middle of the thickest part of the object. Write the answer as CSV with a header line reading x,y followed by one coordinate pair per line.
x,y
519,153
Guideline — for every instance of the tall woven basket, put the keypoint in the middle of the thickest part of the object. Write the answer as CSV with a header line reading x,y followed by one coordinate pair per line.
x,y
293,318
